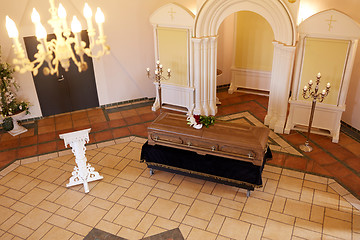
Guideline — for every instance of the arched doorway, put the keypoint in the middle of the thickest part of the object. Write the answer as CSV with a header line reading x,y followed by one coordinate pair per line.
x,y
204,54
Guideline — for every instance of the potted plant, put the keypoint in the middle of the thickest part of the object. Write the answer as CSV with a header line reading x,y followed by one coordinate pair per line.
x,y
11,109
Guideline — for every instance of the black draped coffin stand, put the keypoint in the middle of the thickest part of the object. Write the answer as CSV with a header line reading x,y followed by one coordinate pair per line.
x,y
231,158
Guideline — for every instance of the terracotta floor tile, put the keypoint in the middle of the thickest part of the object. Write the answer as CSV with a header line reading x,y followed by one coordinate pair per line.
x,y
25,152
345,139
103,136
319,170
340,152
278,159
97,118
30,133
81,123
46,129
354,148
46,121
7,157
63,125
322,158
117,123
60,145
120,132
26,141
132,120
139,130
129,113
63,118
144,110
100,126
115,115
352,182
298,163
338,170
80,115
148,116
47,147
10,144
46,137
95,112
353,163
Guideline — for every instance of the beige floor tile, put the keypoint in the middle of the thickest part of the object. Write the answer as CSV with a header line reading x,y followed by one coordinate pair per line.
x,y
147,203
35,196
56,193
161,193
356,223
109,161
90,216
79,228
51,174
6,201
306,234
307,195
215,223
28,187
278,204
35,218
19,181
225,191
47,186
277,230
290,183
14,194
271,175
166,223
293,207
138,191
146,222
22,207
182,199
3,189
57,234
176,180
326,199
341,215
196,234
159,175
317,214
102,190
108,227
228,212
83,203
234,229
253,219
337,228
180,213
122,182
163,208
129,217
130,234
189,189
312,226
101,203
270,186
255,232
117,194
147,181
11,221
129,202
67,212
257,207
202,210
185,230
21,231
208,198
195,222
231,204
166,186
284,218
130,173
59,221
70,198
40,232
315,185
287,194
113,212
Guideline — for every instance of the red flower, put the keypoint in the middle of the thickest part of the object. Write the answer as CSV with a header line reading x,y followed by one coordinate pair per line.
x,y
197,118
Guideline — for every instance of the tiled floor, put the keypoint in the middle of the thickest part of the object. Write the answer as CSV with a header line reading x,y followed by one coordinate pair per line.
x,y
340,162
128,202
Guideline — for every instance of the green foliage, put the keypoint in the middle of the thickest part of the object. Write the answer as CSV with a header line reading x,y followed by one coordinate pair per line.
x,y
8,124
9,104
207,120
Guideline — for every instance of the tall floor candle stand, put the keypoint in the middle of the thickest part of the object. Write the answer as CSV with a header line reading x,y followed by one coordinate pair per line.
x,y
307,93
157,81
83,173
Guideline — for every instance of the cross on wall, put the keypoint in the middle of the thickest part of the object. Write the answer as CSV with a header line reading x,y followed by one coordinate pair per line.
x,y
171,13
331,20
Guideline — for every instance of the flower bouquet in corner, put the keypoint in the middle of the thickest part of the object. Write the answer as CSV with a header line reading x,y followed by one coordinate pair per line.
x,y
198,121
9,104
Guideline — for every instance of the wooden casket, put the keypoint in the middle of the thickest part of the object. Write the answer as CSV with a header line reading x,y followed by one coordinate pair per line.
x,y
228,153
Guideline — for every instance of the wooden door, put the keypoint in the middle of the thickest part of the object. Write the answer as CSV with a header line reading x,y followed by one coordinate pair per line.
x,y
69,91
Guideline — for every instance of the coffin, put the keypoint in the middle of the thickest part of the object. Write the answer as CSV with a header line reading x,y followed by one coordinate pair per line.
x,y
230,140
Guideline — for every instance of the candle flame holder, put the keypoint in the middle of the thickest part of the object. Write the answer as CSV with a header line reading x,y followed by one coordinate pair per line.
x,y
158,77
308,92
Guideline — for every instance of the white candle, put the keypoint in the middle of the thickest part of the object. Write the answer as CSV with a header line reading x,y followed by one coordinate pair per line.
x,y
323,92
156,72
319,75
148,69
76,28
62,16
88,15
158,62
100,19
310,82
305,88
161,66
328,85
169,70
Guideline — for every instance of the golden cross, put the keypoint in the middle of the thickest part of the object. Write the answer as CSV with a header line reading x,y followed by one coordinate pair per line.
x,y
171,13
330,22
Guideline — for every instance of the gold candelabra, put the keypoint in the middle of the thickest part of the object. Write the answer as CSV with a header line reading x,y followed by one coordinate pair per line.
x,y
316,96
158,77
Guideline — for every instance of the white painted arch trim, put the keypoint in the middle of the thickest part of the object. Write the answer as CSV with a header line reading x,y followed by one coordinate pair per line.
x,y
213,13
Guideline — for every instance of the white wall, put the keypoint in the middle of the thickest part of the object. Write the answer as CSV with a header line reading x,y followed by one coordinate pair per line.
x,y
121,75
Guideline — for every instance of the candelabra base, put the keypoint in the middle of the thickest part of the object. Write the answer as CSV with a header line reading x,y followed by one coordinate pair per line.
x,y
305,147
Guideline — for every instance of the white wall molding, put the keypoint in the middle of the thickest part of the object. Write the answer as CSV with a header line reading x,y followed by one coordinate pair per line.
x,y
250,79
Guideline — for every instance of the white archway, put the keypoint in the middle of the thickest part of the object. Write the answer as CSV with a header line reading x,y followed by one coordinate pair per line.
x,y
204,55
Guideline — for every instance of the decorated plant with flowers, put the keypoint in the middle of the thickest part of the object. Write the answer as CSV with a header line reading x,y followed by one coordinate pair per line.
x,y
197,121
9,104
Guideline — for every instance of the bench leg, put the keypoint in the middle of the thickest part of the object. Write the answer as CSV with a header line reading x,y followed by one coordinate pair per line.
x,y
248,193
151,171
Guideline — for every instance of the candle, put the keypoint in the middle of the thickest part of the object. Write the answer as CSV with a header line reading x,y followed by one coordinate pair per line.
x,y
161,65
88,15
310,82
62,15
157,62
305,88
156,72
328,85
323,92
169,70
76,28
319,75
40,31
100,19
148,69
13,33
35,17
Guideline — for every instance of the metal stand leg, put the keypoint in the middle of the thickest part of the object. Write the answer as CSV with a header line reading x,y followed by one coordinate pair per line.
x,y
151,171
248,193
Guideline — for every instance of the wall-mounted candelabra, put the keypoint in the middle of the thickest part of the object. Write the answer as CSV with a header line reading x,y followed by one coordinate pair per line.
x,y
158,77
308,92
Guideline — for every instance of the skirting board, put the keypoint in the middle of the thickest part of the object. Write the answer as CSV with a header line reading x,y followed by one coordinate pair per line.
x,y
249,79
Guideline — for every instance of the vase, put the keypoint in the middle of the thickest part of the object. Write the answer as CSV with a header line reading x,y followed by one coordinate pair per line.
x,y
17,128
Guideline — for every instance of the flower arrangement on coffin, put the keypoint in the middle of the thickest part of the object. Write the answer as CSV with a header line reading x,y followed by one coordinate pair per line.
x,y
198,121
11,109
